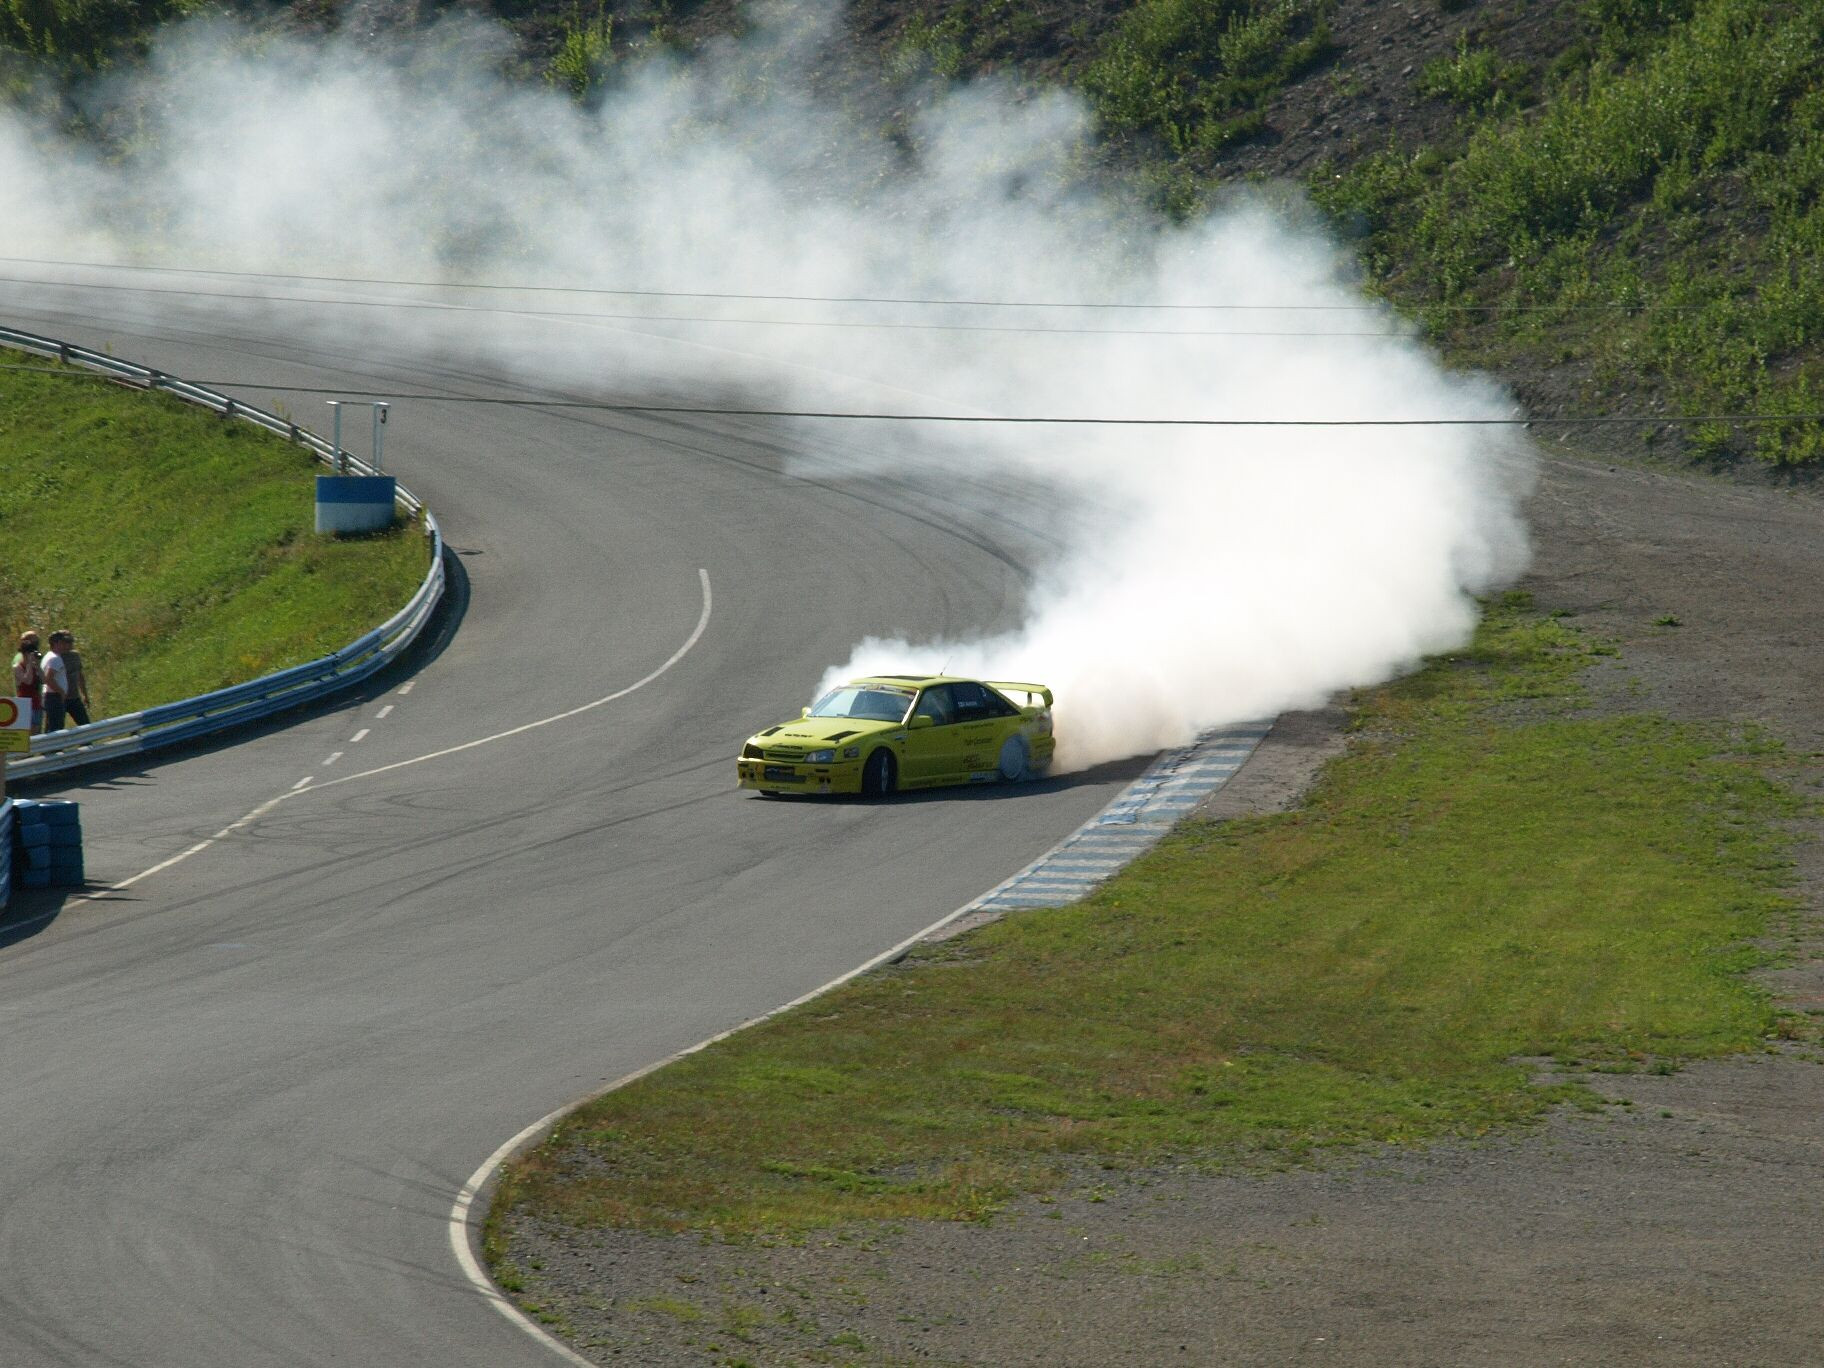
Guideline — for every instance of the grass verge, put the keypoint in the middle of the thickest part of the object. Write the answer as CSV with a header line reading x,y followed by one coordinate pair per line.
x,y
179,548
1490,873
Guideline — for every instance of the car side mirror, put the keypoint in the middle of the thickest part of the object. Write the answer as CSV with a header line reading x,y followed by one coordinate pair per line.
x,y
922,721
804,712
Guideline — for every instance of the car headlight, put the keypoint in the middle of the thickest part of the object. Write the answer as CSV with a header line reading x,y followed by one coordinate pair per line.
x,y
752,752
822,757
851,752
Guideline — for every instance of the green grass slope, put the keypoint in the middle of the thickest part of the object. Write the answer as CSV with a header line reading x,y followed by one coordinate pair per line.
x,y
1653,223
178,547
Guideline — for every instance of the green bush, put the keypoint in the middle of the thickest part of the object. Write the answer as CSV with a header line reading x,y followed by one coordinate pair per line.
x,y
586,52
1474,76
83,33
1195,73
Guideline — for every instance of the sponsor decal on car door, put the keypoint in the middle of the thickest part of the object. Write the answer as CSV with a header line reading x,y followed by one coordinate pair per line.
x,y
979,728
934,749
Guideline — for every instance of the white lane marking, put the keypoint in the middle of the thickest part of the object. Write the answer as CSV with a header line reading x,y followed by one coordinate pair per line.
x,y
406,687
305,780
676,656
181,856
178,858
357,736
696,635
383,712
333,757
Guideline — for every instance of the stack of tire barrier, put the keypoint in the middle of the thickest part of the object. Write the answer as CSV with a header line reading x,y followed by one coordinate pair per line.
x,y
47,843
6,851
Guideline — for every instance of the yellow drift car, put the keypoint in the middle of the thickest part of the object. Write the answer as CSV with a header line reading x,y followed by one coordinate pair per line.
x,y
893,732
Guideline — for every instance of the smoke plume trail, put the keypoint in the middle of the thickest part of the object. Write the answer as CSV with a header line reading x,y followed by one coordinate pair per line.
x,y
1209,575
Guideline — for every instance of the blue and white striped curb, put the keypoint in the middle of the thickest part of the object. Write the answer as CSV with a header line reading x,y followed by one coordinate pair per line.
x,y
1129,826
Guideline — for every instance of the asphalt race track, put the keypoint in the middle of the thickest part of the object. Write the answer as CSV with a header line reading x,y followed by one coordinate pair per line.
x,y
241,1095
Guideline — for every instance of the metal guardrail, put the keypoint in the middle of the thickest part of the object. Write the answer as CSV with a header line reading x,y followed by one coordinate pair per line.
x,y
170,723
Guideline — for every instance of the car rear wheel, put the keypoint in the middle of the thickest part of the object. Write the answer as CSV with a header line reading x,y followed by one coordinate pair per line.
x,y
1015,765
880,776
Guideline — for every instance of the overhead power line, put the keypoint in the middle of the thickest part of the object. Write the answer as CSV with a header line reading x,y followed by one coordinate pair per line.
x,y
604,406
910,301
437,306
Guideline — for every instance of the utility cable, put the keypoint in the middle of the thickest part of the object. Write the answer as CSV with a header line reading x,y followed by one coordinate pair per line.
x,y
897,300
434,306
603,406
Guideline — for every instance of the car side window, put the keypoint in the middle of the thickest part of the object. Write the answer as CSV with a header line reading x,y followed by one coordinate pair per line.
x,y
998,706
971,702
938,704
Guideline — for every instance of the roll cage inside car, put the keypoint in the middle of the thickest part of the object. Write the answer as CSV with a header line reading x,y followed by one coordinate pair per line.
x,y
961,700
866,704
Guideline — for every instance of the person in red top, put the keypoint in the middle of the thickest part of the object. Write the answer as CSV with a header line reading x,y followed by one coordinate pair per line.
x,y
28,676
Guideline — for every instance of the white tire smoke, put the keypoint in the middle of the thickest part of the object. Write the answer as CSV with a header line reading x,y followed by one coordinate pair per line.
x,y
1209,574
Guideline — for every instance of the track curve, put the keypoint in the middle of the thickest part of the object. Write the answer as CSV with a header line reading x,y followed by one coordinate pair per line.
x,y
242,1094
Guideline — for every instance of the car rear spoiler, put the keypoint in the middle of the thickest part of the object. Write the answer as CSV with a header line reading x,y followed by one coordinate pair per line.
x,y
1031,691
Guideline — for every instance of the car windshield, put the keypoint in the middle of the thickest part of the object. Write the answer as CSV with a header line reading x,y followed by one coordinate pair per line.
x,y
871,702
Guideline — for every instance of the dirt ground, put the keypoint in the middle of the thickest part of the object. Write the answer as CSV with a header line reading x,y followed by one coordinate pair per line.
x,y
1679,1225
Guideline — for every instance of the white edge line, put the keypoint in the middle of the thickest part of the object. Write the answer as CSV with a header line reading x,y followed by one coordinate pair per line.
x,y
482,1179
465,1253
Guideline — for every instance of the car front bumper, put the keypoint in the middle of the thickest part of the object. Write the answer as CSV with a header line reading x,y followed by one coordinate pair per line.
x,y
776,776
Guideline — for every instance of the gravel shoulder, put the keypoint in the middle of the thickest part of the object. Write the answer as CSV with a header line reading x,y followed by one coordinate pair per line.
x,y
1678,1224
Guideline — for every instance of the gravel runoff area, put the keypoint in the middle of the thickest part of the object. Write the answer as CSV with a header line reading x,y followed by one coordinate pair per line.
x,y
1684,1225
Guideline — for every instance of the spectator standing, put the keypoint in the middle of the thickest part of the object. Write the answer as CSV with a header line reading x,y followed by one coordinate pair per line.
x,y
28,674
56,683
76,700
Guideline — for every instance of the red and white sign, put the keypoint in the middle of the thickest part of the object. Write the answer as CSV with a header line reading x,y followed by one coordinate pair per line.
x,y
15,724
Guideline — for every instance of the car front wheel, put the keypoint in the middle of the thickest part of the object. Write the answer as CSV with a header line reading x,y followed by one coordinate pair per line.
x,y
880,776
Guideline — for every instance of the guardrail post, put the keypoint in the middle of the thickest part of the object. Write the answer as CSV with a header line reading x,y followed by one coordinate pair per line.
x,y
378,408
341,456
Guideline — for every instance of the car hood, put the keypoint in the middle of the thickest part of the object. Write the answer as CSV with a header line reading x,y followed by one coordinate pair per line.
x,y
813,733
